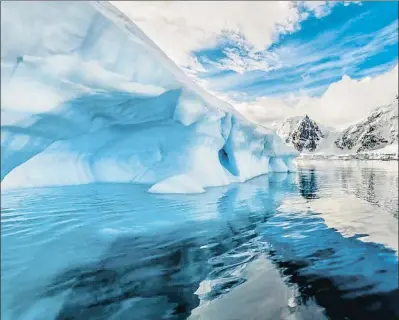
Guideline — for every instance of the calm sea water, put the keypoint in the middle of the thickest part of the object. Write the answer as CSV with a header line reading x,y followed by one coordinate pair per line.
x,y
318,244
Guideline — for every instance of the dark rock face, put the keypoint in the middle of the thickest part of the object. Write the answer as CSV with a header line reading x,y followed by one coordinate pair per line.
x,y
306,135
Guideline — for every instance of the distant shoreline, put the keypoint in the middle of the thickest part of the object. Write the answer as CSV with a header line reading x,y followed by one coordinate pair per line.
x,y
348,157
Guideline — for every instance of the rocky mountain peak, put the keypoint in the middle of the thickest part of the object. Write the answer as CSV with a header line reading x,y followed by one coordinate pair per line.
x,y
302,132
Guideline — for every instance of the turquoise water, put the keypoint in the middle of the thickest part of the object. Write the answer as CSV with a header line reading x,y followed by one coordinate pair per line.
x,y
317,244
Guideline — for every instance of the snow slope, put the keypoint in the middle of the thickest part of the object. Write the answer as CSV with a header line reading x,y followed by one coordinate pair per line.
x,y
288,126
390,149
87,97
378,130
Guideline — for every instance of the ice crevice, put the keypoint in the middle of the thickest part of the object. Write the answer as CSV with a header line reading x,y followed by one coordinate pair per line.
x,y
95,100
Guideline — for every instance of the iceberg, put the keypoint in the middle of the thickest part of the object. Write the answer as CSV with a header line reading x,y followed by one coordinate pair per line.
x,y
87,97
177,184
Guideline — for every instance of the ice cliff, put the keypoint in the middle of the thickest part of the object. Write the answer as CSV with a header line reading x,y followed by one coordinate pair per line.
x,y
87,97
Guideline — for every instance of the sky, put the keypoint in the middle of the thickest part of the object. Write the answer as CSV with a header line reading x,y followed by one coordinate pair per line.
x,y
335,61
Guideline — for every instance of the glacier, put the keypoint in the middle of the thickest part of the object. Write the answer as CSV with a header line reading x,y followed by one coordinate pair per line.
x,y
87,97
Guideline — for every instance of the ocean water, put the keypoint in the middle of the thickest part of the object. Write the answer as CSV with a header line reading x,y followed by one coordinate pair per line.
x,y
321,243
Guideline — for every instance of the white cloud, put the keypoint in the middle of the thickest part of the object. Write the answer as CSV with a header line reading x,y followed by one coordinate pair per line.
x,y
181,27
319,8
343,103
307,61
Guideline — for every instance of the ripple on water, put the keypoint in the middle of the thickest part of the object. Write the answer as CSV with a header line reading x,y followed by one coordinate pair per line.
x,y
316,244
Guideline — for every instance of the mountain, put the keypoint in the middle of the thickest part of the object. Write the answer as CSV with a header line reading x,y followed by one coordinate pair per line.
x,y
302,132
376,131
87,97
306,135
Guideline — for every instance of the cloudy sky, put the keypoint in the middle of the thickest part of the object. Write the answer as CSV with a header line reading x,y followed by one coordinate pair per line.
x,y
335,61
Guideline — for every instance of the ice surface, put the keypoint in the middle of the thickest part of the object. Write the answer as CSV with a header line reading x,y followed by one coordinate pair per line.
x,y
177,184
87,97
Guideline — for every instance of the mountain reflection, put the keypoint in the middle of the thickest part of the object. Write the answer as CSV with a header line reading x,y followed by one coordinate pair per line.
x,y
308,185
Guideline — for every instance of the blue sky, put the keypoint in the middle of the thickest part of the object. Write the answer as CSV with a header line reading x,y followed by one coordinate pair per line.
x,y
355,40
335,61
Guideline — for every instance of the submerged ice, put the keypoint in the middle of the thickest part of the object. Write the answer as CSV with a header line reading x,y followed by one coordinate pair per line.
x,y
87,97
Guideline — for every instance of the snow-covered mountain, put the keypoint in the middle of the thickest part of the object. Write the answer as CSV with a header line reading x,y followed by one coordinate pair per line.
x,y
302,132
375,132
88,97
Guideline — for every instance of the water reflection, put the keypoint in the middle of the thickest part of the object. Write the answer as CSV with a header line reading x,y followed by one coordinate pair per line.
x,y
348,277
168,257
308,185
373,181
